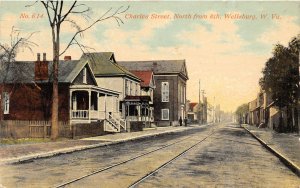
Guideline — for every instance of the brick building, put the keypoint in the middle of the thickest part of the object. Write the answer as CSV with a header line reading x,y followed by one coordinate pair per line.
x,y
170,93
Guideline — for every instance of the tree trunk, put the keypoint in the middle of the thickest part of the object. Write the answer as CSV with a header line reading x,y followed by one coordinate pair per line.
x,y
54,114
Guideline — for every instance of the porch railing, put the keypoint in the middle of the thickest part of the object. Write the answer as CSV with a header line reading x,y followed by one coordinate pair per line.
x,y
80,114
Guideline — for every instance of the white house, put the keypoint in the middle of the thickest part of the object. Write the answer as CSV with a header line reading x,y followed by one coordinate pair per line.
x,y
112,76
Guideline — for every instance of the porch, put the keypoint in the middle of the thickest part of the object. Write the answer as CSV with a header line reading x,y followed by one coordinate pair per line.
x,y
94,104
138,108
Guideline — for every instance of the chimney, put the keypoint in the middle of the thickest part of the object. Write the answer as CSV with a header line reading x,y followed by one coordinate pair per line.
x,y
41,68
68,58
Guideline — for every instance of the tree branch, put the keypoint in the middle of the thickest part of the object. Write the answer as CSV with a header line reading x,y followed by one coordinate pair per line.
x,y
102,18
69,11
46,7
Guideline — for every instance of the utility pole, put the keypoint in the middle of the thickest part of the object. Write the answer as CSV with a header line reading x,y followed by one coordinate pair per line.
x,y
203,107
199,113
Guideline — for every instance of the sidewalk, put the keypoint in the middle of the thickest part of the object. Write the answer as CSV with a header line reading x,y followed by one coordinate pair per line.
x,y
285,145
25,152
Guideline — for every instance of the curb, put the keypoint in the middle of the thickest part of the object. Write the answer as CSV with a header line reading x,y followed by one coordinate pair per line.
x,y
28,158
292,166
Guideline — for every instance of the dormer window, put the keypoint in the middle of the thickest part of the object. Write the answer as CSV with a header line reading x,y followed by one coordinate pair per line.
x,y
84,75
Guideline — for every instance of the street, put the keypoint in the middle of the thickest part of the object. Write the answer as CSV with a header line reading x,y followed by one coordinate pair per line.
x,y
223,155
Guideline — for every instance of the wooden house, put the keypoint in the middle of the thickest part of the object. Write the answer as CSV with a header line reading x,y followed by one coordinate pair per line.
x,y
26,93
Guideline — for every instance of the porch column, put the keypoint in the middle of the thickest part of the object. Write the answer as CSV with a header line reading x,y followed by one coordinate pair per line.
x,y
90,103
105,105
70,105
123,110
139,112
98,105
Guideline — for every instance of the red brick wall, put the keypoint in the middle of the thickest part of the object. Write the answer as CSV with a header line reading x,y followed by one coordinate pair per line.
x,y
41,70
33,102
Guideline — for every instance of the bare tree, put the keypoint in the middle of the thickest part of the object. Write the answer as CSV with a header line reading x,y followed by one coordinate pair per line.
x,y
11,73
8,53
59,13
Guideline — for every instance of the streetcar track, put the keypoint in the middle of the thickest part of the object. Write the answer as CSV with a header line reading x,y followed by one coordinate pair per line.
x,y
242,142
120,163
168,162
126,161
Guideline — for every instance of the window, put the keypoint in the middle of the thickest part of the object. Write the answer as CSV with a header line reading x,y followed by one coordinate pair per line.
x,y
6,103
136,89
165,114
126,87
84,75
130,88
165,92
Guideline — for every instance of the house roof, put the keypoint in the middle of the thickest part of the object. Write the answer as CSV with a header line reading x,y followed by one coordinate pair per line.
x,y
158,66
192,105
145,76
104,64
23,71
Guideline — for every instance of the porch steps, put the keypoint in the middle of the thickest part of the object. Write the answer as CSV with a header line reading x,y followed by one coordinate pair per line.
x,y
113,124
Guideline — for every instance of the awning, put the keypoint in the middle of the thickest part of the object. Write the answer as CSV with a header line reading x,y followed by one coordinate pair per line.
x,y
137,98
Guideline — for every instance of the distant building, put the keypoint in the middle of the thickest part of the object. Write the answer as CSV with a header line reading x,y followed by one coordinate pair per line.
x,y
210,113
263,112
252,112
170,93
192,111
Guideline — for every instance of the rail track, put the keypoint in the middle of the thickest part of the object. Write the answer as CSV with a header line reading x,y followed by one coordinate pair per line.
x,y
140,156
167,163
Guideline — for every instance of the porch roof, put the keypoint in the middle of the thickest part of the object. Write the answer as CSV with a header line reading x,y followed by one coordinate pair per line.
x,y
137,98
94,88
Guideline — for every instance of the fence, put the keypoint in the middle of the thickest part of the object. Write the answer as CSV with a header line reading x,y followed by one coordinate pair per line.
x,y
42,129
32,129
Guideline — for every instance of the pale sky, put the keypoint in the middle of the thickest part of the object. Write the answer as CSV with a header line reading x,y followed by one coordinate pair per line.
x,y
227,54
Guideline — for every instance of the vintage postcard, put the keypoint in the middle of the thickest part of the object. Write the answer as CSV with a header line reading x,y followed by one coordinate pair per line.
x,y
149,93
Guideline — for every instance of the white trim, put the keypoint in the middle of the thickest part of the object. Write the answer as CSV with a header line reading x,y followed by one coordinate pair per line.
x,y
165,75
95,88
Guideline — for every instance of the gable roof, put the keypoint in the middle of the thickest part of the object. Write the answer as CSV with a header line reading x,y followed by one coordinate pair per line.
x,y
104,64
23,71
158,66
145,76
192,105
